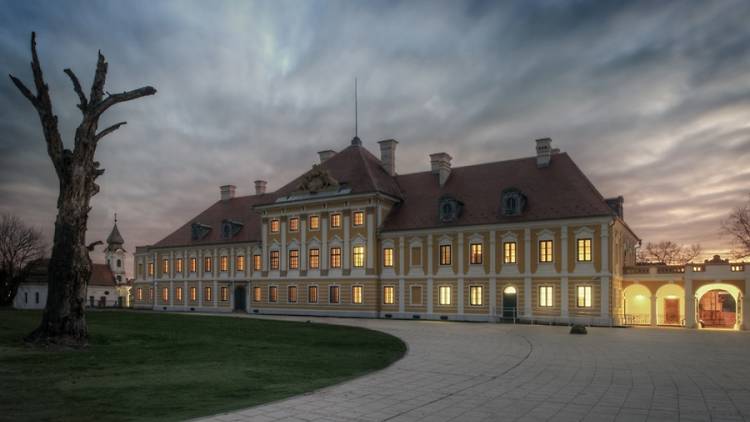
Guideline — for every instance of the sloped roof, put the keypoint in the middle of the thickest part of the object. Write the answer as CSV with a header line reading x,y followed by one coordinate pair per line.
x,y
115,238
555,192
355,167
239,209
101,274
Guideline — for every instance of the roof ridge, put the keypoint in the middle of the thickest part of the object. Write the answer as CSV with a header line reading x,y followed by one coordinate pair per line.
x,y
476,165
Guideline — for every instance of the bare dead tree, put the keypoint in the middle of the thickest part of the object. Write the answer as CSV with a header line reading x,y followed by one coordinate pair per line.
x,y
737,227
20,245
64,322
668,252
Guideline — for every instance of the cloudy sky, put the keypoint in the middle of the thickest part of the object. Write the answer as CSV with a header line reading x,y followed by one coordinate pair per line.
x,y
651,99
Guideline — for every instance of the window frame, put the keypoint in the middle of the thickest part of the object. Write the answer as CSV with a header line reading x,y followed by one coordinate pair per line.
x,y
312,288
193,265
274,226
293,228
355,218
335,256
411,295
334,220
257,294
358,256
293,262
178,294
442,260
178,265
546,251
313,227
165,266
224,294
207,264
588,297
193,294
473,290
257,262
389,295
207,294
417,254
274,260
239,263
290,295
546,299
313,264
441,296
358,298
337,288
165,294
475,253
510,252
584,249
273,294
224,264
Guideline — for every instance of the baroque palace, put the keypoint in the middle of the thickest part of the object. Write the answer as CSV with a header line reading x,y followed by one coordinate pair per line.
x,y
529,239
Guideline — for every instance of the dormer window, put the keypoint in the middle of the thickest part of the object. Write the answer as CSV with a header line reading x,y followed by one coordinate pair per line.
x,y
513,202
449,209
198,231
230,228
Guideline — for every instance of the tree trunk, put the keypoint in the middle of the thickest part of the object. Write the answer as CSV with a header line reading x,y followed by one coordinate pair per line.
x,y
64,321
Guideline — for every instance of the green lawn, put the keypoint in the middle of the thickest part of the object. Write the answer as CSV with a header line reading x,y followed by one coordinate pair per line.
x,y
150,366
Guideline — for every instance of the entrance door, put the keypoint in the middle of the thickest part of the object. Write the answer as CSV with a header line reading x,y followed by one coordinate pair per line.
x,y
239,298
717,308
510,302
671,311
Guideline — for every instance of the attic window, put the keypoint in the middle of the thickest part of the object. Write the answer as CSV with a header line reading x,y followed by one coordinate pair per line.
x,y
449,209
230,228
513,202
198,231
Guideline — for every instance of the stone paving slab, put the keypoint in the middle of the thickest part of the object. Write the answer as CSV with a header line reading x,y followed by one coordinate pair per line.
x,y
489,372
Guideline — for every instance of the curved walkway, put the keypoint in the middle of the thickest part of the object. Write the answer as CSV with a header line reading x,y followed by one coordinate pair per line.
x,y
490,372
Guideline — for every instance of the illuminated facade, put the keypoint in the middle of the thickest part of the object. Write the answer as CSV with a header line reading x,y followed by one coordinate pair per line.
x,y
529,239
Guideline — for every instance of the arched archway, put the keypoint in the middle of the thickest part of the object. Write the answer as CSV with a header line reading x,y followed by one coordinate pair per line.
x,y
510,302
719,305
670,306
636,305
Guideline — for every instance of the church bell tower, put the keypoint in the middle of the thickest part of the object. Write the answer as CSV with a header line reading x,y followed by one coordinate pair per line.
x,y
115,254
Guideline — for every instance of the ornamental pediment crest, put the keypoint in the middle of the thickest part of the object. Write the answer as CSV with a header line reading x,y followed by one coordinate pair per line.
x,y
317,180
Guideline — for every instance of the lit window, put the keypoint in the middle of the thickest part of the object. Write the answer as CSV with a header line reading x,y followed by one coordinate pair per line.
x,y
207,264
358,218
291,294
416,256
140,269
545,296
334,294
273,292
294,259
314,259
357,294
445,295
509,252
240,263
274,260
193,294
584,250
139,293
193,265
416,295
178,265
178,294
545,251
257,263
275,226
294,224
314,222
476,253
335,221
445,254
737,268
207,294
257,294
389,295
224,264
388,257
358,256
165,266
335,257
165,294
476,297
583,296
224,294
151,294
312,294
151,268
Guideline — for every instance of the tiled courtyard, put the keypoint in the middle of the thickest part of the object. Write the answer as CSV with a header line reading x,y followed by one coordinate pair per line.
x,y
492,372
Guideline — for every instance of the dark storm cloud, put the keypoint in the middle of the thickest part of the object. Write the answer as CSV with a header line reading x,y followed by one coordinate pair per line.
x,y
651,99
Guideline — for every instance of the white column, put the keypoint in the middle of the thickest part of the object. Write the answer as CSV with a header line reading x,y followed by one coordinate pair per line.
x,y
527,272
605,270
493,298
215,294
460,295
746,299
200,293
283,252
264,245
564,297
689,302
370,239
171,264
345,252
653,311
171,293
303,243
156,292
493,253
231,295
401,254
401,296
185,294
605,247
429,254
564,250
429,295
324,258
215,264
461,253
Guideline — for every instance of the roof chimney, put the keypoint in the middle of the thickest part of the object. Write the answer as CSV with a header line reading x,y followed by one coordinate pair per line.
x,y
440,164
543,152
260,187
325,155
616,204
227,192
388,155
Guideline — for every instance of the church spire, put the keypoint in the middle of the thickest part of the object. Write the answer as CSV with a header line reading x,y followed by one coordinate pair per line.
x,y
115,240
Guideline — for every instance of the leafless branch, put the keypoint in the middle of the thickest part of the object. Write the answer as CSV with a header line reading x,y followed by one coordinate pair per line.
x,y
109,130
78,89
113,99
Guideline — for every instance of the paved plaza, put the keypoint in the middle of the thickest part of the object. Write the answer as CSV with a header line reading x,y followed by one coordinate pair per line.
x,y
498,372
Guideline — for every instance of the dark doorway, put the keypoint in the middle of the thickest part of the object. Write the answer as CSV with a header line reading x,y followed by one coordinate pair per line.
x,y
510,303
671,311
239,298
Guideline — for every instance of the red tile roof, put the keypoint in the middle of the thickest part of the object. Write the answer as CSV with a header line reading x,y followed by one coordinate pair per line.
x,y
238,209
555,192
101,274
